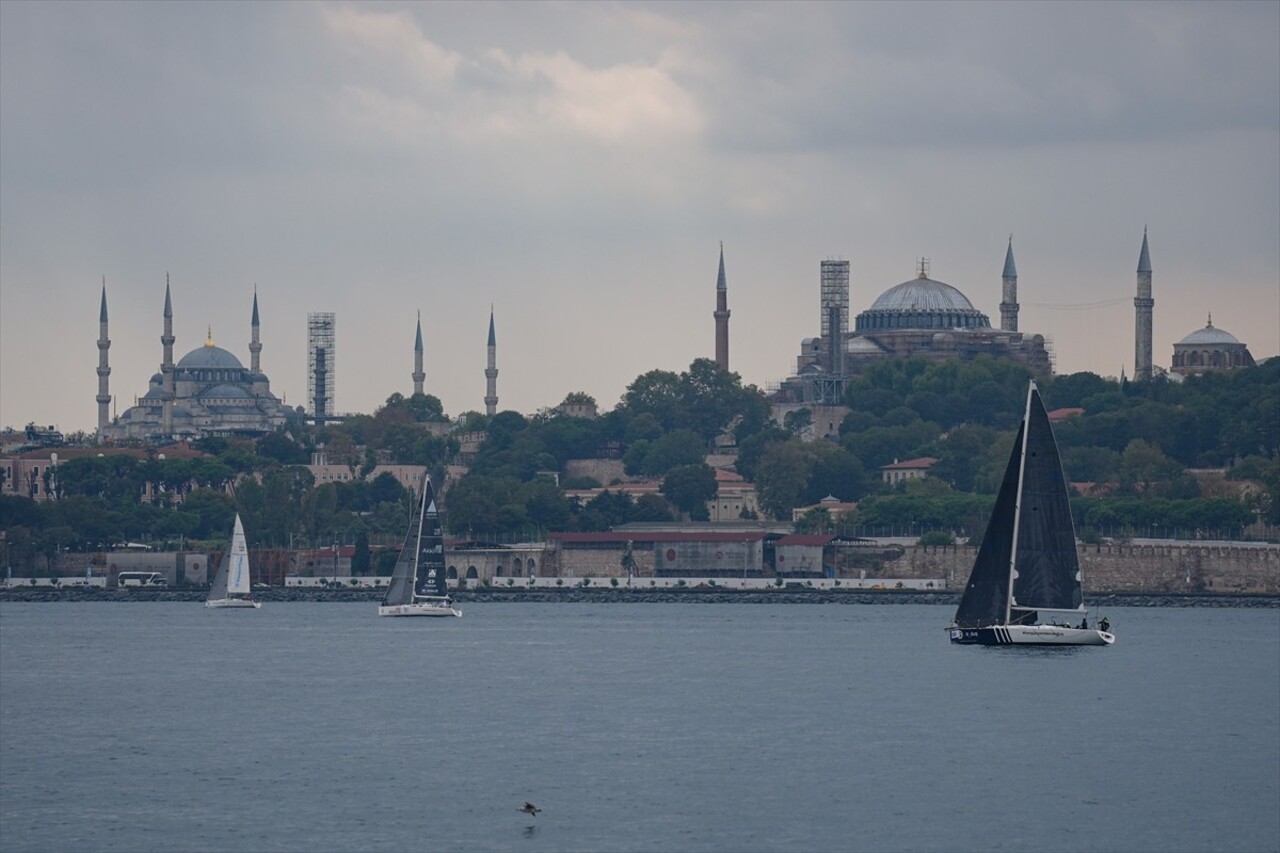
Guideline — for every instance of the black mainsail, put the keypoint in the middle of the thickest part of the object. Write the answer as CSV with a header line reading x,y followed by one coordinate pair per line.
x,y
1030,540
420,568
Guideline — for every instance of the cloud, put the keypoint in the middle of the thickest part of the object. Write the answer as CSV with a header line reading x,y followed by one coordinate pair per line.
x,y
410,86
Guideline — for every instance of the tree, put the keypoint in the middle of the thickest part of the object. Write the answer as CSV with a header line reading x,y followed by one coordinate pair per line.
x,y
360,559
689,487
781,477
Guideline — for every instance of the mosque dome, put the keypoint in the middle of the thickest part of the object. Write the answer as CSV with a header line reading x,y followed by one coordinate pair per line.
x,y
922,294
921,303
1209,349
209,357
1209,336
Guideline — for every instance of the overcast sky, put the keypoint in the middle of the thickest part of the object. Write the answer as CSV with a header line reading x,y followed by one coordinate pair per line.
x,y
576,165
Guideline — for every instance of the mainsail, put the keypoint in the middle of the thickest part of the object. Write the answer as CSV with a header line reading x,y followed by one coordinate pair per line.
x,y
238,571
1030,539
431,578
420,569
1047,568
232,577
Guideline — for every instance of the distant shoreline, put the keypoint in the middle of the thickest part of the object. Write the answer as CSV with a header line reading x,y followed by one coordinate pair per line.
x,y
629,596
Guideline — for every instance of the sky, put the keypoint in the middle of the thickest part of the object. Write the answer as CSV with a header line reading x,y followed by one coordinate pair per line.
x,y
575,167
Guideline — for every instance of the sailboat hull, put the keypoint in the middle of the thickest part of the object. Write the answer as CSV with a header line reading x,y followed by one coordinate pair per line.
x,y
1030,635
418,608
233,602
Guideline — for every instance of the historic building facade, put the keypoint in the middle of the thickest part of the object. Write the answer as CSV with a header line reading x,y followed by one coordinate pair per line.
x,y
922,317
1209,349
206,392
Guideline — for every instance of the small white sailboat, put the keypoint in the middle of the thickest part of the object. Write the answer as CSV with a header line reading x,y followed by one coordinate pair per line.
x,y
418,584
231,584
1027,564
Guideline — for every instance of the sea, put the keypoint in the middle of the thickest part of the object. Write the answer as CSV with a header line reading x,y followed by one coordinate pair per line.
x,y
728,728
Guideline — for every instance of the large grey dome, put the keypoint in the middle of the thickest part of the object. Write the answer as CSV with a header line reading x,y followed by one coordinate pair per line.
x,y
1209,336
209,356
921,303
922,294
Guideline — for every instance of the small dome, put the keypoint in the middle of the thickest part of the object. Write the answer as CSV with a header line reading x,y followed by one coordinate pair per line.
x,y
1209,336
157,379
207,357
922,294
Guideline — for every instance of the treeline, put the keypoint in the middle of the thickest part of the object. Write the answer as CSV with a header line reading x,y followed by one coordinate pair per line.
x,y
1135,442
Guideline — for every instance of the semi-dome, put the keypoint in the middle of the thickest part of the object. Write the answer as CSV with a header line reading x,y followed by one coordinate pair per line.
x,y
922,294
226,392
209,357
1209,335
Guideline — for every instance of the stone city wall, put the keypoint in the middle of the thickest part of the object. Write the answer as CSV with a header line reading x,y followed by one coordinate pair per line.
x,y
1124,568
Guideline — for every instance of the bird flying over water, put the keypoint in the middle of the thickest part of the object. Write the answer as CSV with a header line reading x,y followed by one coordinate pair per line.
x,y
530,809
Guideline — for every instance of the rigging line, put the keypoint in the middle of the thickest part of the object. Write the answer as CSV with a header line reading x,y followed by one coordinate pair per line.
x,y
1077,306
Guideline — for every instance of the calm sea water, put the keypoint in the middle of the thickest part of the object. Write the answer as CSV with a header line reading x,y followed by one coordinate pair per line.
x,y
636,727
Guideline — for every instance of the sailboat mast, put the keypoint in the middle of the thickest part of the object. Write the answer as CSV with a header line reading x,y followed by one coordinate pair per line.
x,y
1017,507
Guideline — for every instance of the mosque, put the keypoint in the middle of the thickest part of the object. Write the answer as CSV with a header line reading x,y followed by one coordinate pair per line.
x,y
921,317
206,392
1209,349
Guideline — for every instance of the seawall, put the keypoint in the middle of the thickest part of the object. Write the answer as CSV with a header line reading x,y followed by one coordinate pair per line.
x,y
1151,569
610,595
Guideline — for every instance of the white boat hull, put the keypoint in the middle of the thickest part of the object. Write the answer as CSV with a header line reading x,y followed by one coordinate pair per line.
x,y
1031,635
233,602
418,608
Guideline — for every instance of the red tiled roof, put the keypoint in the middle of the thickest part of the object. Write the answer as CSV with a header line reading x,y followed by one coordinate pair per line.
x,y
1062,414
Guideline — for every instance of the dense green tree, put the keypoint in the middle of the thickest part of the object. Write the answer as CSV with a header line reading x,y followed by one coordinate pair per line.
x,y
689,487
283,448
781,477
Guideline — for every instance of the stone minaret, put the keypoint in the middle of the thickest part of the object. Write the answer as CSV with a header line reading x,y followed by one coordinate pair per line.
x,y
1142,304
104,370
491,372
1009,292
255,346
418,374
722,317
166,366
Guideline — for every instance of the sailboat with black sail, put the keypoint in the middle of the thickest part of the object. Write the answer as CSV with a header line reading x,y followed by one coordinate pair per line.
x,y
1027,564
419,586
231,582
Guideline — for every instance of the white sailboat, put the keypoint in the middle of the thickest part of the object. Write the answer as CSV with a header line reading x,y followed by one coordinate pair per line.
x,y
418,584
231,584
1027,564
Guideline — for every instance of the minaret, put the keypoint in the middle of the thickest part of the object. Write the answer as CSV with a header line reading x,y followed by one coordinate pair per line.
x,y
1142,304
491,372
255,347
104,370
166,366
722,316
1009,292
418,375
